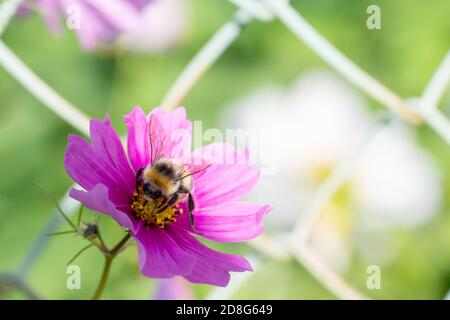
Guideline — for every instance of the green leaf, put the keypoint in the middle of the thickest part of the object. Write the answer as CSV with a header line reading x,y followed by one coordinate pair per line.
x,y
80,252
55,202
61,233
80,214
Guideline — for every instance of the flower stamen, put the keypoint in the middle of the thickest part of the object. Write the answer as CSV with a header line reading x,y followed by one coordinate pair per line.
x,y
150,211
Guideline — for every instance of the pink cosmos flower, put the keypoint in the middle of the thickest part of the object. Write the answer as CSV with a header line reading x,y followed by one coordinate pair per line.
x,y
95,21
108,176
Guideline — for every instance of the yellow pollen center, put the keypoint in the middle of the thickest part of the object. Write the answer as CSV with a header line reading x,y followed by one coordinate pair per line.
x,y
153,212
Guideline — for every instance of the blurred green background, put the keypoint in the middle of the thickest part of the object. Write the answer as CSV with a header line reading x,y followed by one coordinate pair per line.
x,y
403,55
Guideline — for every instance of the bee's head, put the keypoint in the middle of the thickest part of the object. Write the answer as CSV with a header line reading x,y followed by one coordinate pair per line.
x,y
152,191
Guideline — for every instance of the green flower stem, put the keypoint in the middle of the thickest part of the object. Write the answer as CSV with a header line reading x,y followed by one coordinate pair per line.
x,y
109,258
102,246
104,278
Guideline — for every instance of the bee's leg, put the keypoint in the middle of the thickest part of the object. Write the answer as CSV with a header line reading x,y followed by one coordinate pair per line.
x,y
191,207
168,204
173,200
138,177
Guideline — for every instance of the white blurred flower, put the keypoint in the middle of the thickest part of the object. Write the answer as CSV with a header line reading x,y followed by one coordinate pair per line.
x,y
319,121
396,182
162,24
331,239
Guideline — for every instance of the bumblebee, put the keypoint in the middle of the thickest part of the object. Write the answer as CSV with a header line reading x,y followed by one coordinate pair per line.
x,y
163,184
167,182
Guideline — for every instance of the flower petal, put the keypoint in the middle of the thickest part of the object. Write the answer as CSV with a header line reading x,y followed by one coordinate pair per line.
x,y
211,267
171,133
97,199
118,14
221,153
100,21
164,253
92,30
227,179
234,222
103,161
160,256
138,138
108,146
51,12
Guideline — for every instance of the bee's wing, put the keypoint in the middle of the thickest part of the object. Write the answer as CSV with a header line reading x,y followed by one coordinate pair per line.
x,y
157,144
